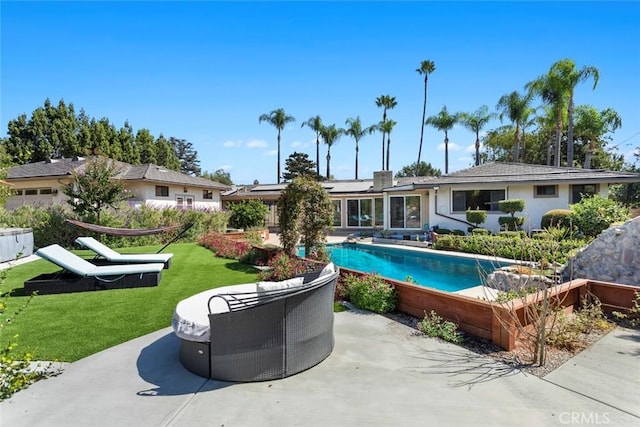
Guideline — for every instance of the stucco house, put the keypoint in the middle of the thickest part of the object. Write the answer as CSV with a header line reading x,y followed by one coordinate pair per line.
x,y
42,183
415,204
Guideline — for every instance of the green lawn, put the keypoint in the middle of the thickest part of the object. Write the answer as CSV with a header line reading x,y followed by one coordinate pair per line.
x,y
68,327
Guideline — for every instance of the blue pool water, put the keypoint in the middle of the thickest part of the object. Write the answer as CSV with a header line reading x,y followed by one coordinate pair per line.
x,y
440,271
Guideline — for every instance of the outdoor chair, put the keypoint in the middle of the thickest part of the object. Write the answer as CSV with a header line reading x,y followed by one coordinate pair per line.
x,y
79,275
104,254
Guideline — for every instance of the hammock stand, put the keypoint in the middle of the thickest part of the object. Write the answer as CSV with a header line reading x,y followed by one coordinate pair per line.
x,y
131,232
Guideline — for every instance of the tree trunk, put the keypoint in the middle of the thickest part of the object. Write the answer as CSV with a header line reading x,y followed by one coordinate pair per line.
x,y
446,153
477,149
570,131
424,112
388,147
357,149
558,152
278,180
328,161
317,154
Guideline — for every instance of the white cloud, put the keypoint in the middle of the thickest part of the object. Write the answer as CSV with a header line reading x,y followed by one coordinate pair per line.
x,y
472,148
256,143
452,147
232,144
271,153
296,144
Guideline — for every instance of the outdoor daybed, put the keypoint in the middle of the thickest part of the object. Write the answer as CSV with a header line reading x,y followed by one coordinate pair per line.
x,y
258,331
80,275
104,252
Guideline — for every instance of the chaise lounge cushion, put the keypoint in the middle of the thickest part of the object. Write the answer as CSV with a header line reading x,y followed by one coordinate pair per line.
x,y
284,284
116,257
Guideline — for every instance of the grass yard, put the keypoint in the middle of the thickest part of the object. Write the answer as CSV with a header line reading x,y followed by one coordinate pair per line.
x,y
68,327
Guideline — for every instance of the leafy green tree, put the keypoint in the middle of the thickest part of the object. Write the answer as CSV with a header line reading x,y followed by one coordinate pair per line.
x,y
628,194
5,188
94,189
515,107
570,77
387,102
220,175
315,124
299,165
187,155
443,121
146,146
426,67
18,144
304,209
475,122
423,169
330,135
278,119
166,155
247,214
592,130
357,132
129,149
592,215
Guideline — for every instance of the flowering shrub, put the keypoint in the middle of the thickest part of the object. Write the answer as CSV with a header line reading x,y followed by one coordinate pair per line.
x,y
223,247
369,292
284,267
435,326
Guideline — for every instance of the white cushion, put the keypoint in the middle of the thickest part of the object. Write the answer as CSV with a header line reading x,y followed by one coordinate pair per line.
x,y
328,269
285,284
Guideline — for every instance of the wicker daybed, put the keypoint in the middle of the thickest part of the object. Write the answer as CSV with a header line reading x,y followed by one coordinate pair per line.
x,y
258,331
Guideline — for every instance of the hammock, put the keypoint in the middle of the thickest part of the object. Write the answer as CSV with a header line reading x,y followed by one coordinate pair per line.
x,y
131,232
123,232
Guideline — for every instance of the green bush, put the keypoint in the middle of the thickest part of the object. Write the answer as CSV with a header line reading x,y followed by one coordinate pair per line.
x,y
513,234
476,216
480,232
370,292
592,215
247,214
458,233
511,223
435,326
442,231
556,218
511,206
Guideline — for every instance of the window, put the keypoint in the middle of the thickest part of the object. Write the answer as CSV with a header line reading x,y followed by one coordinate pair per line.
x,y
162,191
207,194
405,211
365,212
545,191
485,200
337,213
578,192
31,192
45,191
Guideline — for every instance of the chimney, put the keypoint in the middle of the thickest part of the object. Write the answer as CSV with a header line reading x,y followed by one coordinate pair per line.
x,y
382,179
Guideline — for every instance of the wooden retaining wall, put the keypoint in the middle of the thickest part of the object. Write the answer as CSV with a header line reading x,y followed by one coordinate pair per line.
x,y
495,321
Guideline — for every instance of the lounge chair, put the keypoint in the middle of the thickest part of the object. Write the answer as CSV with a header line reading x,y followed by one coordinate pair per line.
x,y
258,331
80,275
112,256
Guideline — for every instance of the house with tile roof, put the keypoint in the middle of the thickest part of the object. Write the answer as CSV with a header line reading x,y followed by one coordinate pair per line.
x,y
41,183
413,205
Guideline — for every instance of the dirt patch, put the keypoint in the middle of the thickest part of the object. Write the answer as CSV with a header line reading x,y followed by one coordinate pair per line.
x,y
520,357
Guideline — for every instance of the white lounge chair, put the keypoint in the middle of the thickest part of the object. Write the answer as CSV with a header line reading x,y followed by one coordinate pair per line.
x,y
112,256
80,275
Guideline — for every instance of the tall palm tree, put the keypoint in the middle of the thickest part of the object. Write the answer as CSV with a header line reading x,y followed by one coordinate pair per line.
x,y
571,76
475,122
550,88
426,67
356,131
516,108
388,103
443,121
278,119
330,135
315,124
386,127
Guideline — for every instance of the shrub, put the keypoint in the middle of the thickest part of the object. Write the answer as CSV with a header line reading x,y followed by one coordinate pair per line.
x,y
283,266
370,292
247,214
477,216
632,316
435,326
511,223
592,215
511,206
458,233
480,232
556,218
224,247
442,231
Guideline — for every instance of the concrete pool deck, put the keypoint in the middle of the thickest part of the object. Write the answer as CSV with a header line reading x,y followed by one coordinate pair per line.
x,y
381,373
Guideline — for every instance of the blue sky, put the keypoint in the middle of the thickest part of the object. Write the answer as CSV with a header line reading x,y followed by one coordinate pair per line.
x,y
205,71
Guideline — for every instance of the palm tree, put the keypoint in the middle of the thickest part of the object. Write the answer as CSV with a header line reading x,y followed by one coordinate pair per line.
x,y
277,118
516,107
426,68
475,122
330,135
570,76
443,121
356,131
315,123
388,103
550,88
386,127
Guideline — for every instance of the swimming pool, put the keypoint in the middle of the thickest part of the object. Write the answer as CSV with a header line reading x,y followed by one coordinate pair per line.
x,y
440,271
